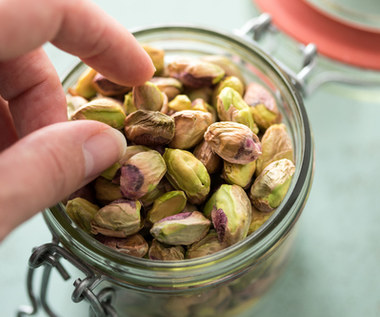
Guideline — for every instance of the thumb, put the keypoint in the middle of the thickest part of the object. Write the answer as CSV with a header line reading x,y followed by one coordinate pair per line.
x,y
50,163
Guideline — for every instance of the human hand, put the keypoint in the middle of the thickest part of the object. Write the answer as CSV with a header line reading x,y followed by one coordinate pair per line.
x,y
42,157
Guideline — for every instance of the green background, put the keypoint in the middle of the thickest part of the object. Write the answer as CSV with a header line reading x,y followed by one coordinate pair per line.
x,y
335,267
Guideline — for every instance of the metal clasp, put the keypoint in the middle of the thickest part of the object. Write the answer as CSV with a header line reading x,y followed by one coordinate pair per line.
x,y
255,28
48,256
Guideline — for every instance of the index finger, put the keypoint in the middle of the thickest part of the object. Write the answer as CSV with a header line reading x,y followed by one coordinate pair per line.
x,y
78,27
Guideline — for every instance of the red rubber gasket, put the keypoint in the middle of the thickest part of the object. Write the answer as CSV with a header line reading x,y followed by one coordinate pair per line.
x,y
334,39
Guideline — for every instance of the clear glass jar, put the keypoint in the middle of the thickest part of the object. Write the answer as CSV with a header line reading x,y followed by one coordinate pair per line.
x,y
232,280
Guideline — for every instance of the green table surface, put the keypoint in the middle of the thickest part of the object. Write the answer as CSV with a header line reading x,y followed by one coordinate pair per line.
x,y
335,267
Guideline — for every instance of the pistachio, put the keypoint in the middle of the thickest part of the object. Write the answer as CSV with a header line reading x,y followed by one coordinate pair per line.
x,y
168,204
276,144
168,85
106,191
195,73
74,103
239,174
232,107
229,67
230,81
181,229
141,173
131,151
147,97
149,128
258,219
204,93
128,104
190,127
110,172
271,186
262,105
134,245
234,142
81,211
179,103
104,110
157,56
208,245
84,86
185,172
200,105
162,252
108,88
230,210
119,219
209,159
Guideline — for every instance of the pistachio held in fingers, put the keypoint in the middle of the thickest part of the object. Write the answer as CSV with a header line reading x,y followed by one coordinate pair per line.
x,y
108,88
134,245
185,172
157,56
271,186
181,229
195,73
190,126
104,110
149,128
168,204
119,219
233,142
141,174
230,210
81,211
148,97
84,86
162,252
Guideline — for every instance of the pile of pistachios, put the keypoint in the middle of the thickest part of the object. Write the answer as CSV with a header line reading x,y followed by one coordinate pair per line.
x,y
208,159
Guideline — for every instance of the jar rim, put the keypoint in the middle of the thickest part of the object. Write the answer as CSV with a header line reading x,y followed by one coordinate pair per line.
x,y
83,245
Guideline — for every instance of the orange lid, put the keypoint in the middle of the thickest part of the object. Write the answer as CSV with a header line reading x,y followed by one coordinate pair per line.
x,y
337,40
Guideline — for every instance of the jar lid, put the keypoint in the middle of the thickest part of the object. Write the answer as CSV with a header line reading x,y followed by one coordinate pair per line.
x,y
334,38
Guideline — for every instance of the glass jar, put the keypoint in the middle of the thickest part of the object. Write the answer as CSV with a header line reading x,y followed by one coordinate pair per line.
x,y
227,282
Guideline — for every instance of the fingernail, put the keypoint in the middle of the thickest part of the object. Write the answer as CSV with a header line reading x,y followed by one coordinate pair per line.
x,y
101,150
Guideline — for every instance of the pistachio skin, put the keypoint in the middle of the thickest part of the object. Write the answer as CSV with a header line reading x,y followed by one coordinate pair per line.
x,y
185,172
233,142
141,174
81,211
119,219
106,191
229,67
104,110
229,81
162,252
209,159
230,210
181,229
190,126
271,186
134,245
149,128
258,219
276,144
